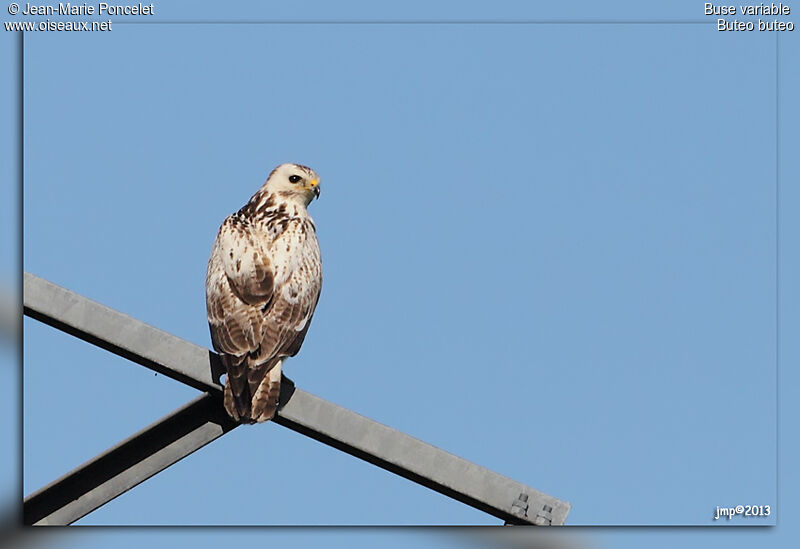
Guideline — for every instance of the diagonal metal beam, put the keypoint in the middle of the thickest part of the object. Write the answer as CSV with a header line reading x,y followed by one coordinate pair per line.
x,y
397,452
129,463
121,334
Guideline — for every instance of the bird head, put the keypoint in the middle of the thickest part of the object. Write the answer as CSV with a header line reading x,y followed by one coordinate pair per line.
x,y
293,182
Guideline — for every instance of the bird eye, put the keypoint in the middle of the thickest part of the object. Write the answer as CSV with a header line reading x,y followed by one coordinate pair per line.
x,y
294,178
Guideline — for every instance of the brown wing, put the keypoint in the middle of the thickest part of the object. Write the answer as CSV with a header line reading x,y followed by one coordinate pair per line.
x,y
239,285
282,338
253,324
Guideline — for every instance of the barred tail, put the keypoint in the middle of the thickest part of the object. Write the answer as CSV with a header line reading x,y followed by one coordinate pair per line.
x,y
236,395
265,400
251,393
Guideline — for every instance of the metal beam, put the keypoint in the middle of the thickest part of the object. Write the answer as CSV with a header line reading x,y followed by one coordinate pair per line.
x,y
420,462
129,463
121,334
302,412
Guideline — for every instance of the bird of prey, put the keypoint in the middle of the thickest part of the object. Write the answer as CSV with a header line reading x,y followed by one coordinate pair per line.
x,y
262,285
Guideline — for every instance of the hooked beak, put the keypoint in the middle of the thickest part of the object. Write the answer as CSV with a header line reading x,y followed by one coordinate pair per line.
x,y
315,188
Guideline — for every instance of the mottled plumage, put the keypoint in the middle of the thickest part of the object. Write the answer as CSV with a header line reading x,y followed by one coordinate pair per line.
x,y
262,285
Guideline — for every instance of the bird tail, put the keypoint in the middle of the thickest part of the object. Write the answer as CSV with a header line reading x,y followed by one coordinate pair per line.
x,y
236,395
251,393
265,400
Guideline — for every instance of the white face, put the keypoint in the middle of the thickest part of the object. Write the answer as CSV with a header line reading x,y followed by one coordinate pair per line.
x,y
294,182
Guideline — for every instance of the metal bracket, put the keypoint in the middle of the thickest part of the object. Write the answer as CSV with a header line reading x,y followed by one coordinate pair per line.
x,y
520,506
544,517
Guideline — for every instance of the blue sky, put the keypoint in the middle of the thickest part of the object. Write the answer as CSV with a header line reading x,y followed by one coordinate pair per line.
x,y
549,249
